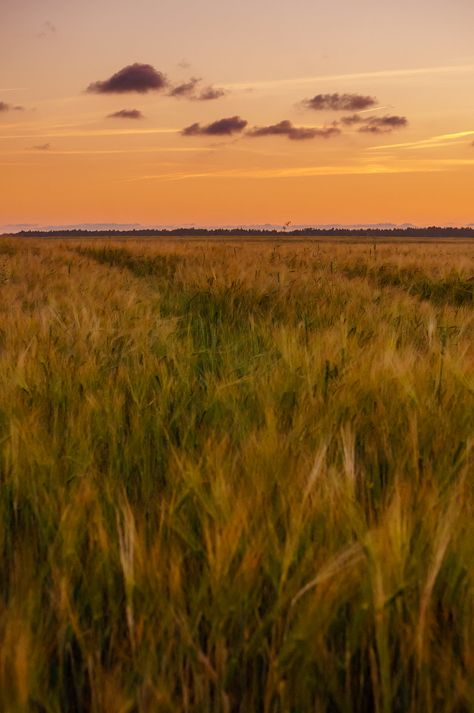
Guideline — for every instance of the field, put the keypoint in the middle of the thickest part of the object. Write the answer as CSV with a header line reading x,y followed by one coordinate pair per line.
x,y
236,476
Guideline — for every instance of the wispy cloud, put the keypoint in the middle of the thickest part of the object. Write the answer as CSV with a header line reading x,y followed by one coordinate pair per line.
x,y
88,133
41,147
303,171
354,76
105,152
374,108
425,143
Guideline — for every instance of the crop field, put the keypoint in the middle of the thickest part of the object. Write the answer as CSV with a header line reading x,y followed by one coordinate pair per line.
x,y
236,477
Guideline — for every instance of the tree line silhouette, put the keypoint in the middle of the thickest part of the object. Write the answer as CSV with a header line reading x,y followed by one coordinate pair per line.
x,y
429,232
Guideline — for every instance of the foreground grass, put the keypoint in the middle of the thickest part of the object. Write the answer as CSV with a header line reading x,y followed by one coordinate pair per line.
x,y
236,478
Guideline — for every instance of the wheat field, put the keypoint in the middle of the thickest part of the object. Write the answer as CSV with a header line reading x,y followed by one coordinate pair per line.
x,y
236,476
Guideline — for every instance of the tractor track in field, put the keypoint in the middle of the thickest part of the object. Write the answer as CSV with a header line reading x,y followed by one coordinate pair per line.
x,y
453,290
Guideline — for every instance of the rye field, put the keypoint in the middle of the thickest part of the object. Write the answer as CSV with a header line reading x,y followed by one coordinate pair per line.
x,y
236,477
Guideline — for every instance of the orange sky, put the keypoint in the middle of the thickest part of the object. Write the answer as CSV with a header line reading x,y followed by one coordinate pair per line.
x,y
64,161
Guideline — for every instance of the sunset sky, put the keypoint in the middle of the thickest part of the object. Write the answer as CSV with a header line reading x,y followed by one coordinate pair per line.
x,y
314,111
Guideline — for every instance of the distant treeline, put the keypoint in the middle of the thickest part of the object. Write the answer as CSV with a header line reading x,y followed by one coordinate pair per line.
x,y
430,232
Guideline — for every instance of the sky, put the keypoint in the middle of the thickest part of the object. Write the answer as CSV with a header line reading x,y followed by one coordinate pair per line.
x,y
216,112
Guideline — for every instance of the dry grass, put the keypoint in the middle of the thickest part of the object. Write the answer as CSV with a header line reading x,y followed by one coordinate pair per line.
x,y
236,477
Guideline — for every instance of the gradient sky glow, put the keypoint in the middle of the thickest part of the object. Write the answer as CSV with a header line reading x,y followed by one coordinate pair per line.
x,y
63,159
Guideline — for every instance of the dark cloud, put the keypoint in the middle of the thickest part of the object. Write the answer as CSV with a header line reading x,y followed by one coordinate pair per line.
x,y
222,127
8,107
126,114
190,90
141,78
42,147
186,89
339,102
375,124
295,133
383,124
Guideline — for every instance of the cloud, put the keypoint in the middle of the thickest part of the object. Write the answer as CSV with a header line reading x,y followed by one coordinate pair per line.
x,y
47,29
42,147
189,90
126,114
339,102
4,107
186,89
375,124
222,127
143,78
351,120
295,133
210,93
383,124
140,78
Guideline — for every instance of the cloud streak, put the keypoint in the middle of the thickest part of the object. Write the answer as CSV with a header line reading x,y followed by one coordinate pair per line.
x,y
138,78
106,152
439,140
307,171
294,133
89,133
355,76
223,127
